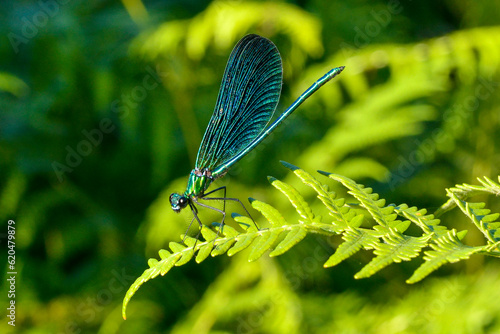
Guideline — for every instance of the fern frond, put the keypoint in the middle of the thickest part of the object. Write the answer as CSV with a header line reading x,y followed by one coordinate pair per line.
x,y
264,243
395,248
294,236
206,249
230,241
186,251
465,191
272,215
155,268
382,214
447,248
342,213
427,223
295,198
354,240
224,243
245,240
386,236
480,217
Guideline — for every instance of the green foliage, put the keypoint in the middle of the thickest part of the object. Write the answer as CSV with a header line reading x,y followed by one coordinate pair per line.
x,y
422,101
447,248
178,46
12,84
384,233
425,82
195,36
415,112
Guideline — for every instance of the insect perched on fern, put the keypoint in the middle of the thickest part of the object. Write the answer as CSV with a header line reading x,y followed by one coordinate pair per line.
x,y
385,236
248,96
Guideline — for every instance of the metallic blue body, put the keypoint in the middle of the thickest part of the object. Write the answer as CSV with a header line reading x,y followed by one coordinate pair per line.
x,y
249,93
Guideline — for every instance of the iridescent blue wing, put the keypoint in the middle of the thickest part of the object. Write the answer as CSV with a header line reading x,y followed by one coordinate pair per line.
x,y
249,93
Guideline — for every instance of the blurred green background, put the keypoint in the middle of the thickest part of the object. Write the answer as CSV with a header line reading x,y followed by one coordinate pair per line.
x,y
103,105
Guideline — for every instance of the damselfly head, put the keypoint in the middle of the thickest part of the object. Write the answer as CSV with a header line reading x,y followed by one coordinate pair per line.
x,y
178,202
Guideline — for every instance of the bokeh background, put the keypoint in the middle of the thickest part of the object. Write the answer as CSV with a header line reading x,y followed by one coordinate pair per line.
x,y
103,105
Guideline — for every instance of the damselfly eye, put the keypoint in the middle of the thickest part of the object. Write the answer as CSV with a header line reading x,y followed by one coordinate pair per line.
x,y
178,202
183,201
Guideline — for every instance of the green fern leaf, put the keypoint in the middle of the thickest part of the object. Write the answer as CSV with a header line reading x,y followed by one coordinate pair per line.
x,y
246,222
163,254
479,216
386,237
208,234
132,290
490,185
156,268
370,201
354,240
242,242
265,242
176,247
204,251
396,248
245,239
167,264
295,198
447,248
294,236
492,249
465,191
186,257
186,252
223,247
227,231
225,243
206,248
153,264
402,226
427,223
272,215
342,214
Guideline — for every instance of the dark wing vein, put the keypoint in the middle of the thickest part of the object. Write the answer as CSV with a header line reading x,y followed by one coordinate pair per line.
x,y
248,96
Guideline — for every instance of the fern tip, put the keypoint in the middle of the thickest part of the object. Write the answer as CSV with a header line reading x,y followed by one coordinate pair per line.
x,y
324,173
289,165
271,179
462,234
